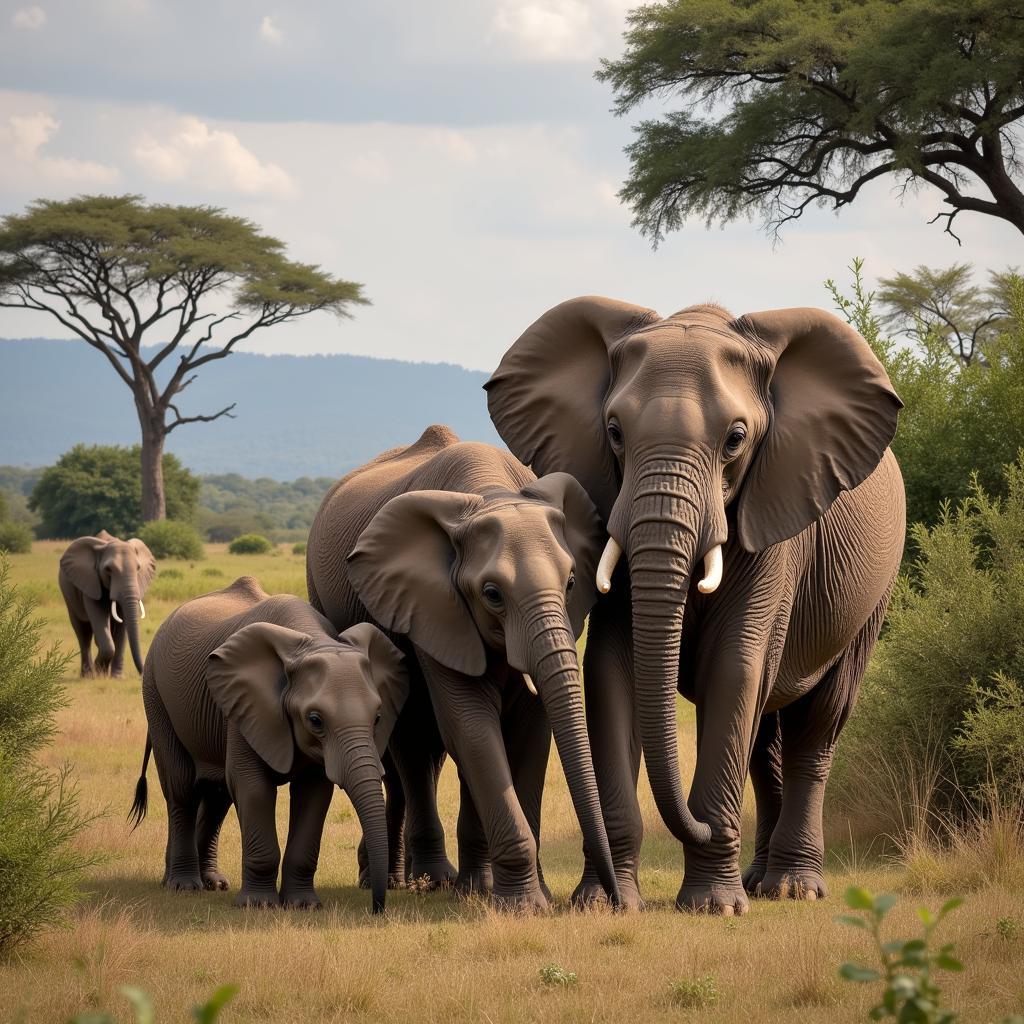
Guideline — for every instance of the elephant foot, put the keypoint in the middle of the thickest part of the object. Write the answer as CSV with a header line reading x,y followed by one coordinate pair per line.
x,y
479,880
214,880
117,673
725,898
590,893
439,874
753,877
257,898
531,901
300,899
86,672
793,884
184,883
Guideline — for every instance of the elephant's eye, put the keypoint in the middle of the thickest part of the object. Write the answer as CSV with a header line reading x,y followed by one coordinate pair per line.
x,y
735,439
571,583
615,433
316,722
492,595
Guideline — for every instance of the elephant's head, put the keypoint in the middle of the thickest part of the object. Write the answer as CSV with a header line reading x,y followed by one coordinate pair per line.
x,y
118,571
682,430
509,572
335,701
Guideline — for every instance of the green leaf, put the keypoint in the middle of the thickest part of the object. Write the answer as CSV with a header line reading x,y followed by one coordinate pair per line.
x,y
884,903
926,916
948,962
144,1011
853,922
854,972
858,899
209,1011
949,905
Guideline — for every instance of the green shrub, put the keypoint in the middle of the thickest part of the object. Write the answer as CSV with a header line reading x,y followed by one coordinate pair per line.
x,y
15,538
167,538
300,548
693,993
552,974
250,544
39,816
942,695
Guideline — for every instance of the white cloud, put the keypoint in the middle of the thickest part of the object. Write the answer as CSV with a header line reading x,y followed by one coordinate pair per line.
x,y
269,31
196,153
31,18
25,136
559,29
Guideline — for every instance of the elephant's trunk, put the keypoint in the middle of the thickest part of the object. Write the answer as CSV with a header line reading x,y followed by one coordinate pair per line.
x,y
554,665
129,602
664,535
358,771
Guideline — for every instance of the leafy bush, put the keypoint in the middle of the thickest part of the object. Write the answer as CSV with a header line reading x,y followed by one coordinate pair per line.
x,y
39,814
169,539
552,974
15,538
942,695
250,544
693,993
300,548
98,488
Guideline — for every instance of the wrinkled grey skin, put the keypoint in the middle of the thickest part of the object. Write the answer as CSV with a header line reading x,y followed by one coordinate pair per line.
x,y
416,541
767,436
244,693
95,573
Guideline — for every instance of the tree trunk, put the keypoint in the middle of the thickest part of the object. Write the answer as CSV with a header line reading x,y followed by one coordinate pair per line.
x,y
154,505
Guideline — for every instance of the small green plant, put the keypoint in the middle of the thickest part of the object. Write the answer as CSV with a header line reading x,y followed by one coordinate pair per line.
x,y
906,965
300,548
167,538
170,574
1007,929
144,1012
15,538
552,974
213,572
250,544
693,993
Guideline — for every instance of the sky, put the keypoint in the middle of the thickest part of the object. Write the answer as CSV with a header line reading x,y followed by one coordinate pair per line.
x,y
457,157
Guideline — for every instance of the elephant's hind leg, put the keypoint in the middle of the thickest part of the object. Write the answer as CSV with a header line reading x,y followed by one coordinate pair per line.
x,y
810,728
83,633
214,806
766,777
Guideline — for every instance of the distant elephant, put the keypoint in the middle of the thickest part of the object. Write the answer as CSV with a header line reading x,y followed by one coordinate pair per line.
x,y
98,575
245,692
488,573
758,442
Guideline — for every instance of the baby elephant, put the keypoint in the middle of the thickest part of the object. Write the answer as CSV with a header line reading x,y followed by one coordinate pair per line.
x,y
97,576
245,692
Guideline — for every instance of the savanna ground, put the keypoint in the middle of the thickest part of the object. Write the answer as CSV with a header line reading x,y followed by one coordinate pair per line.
x,y
434,957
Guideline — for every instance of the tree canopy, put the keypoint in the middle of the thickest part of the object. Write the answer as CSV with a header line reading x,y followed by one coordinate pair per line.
x,y
119,274
789,103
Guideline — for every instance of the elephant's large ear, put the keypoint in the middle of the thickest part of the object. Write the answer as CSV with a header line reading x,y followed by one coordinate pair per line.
x,y
247,676
583,533
78,563
390,677
834,412
547,396
401,568
147,563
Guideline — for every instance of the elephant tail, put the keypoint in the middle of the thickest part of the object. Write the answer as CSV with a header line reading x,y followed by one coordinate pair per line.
x,y
141,802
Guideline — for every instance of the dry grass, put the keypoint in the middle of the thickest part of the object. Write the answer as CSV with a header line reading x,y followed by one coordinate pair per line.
x,y
434,958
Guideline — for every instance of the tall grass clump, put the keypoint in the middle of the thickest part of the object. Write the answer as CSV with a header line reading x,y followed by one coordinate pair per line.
x,y
167,538
939,726
39,815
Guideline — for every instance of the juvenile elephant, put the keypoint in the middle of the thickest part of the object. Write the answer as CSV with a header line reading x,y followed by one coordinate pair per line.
x,y
759,442
98,575
488,573
245,692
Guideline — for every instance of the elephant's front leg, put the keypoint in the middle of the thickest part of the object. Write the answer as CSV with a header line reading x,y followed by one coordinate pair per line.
x,y
119,635
99,619
311,793
475,874
615,746
469,715
253,789
766,776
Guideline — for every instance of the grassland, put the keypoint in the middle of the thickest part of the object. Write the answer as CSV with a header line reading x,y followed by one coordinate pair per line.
x,y
434,958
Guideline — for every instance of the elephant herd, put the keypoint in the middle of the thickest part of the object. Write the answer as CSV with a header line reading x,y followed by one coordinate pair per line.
x,y
740,466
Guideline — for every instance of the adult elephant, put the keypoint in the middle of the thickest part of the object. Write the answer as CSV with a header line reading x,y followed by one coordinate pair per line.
x,y
486,575
97,576
756,444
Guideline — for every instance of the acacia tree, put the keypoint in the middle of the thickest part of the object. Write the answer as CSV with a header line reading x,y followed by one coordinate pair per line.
x,y
191,281
789,103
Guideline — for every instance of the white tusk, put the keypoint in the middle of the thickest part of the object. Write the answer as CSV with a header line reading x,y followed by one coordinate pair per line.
x,y
605,568
113,611
712,571
529,684
142,609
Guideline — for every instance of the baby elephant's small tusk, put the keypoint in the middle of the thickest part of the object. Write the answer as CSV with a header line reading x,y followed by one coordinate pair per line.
x,y
712,571
605,568
142,609
113,611
529,684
